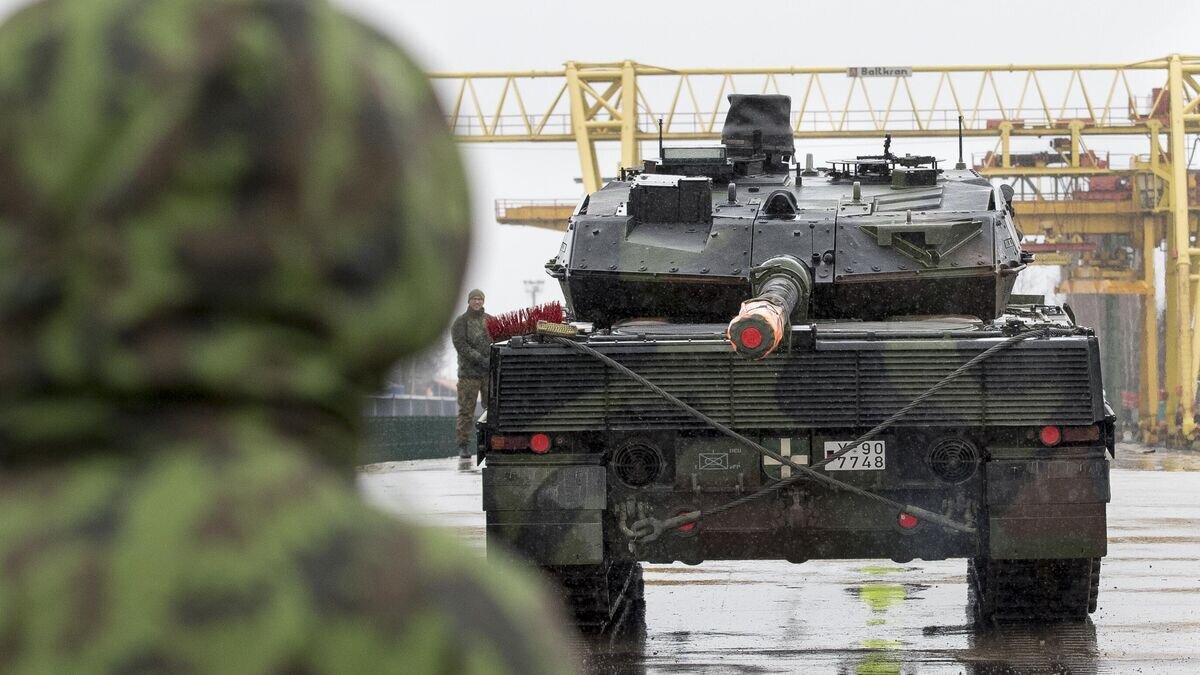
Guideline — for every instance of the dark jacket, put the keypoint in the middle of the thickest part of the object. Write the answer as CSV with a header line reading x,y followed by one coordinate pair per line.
x,y
471,341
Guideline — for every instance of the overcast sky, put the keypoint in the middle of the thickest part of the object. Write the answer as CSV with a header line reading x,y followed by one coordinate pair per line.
x,y
470,35
523,34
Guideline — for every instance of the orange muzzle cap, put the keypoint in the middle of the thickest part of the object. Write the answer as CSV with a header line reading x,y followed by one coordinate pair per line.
x,y
758,329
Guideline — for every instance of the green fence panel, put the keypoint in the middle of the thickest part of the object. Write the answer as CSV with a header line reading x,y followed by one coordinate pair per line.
x,y
394,439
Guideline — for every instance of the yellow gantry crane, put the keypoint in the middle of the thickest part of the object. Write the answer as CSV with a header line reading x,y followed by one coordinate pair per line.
x,y
1069,193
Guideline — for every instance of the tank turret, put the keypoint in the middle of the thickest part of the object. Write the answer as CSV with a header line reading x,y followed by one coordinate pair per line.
x,y
706,234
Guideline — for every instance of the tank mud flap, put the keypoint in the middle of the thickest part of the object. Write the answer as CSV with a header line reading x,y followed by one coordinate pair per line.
x,y
551,515
1047,508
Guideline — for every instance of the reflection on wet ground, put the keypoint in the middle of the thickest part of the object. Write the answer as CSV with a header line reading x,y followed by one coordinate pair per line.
x,y
876,617
1063,648
877,628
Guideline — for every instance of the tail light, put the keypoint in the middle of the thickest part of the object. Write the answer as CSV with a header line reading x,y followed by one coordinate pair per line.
x,y
907,521
1088,433
510,442
539,443
1050,436
686,528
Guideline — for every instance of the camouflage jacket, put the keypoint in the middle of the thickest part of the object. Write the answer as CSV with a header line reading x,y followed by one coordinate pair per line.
x,y
202,555
470,336
220,222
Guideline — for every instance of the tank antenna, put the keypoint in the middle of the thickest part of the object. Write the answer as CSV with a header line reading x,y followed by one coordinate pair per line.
x,y
660,142
808,165
961,164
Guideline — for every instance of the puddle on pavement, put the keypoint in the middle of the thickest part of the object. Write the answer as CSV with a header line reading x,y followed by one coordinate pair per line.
x,y
697,582
1154,540
1142,458
1053,648
651,569
879,656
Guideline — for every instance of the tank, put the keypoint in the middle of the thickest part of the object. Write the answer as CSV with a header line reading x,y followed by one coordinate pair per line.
x,y
771,360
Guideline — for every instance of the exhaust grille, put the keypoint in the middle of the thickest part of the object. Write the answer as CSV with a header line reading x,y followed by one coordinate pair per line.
x,y
549,388
954,460
637,464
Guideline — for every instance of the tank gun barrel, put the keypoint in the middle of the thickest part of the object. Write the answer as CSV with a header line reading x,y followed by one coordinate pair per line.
x,y
784,286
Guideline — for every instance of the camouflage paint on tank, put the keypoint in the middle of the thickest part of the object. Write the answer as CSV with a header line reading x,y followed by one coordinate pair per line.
x,y
851,377
220,221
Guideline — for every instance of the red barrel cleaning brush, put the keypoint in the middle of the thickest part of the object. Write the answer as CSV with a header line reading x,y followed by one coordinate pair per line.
x,y
524,321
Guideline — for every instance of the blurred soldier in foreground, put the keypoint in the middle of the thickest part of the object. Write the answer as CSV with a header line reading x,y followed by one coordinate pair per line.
x,y
220,220
470,336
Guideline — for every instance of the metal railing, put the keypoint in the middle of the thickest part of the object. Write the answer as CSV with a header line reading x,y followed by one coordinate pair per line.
x,y
402,438
510,209
404,405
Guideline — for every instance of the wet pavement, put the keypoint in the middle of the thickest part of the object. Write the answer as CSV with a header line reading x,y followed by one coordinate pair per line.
x,y
876,617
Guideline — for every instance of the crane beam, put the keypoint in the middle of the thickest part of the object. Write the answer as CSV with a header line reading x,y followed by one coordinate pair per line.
x,y
622,102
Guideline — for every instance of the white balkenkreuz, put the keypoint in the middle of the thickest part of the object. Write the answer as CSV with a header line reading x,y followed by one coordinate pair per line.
x,y
784,470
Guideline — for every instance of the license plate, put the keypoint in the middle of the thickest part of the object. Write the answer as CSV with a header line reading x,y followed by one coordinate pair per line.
x,y
868,456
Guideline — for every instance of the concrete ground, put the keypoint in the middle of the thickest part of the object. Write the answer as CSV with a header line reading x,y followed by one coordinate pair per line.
x,y
868,616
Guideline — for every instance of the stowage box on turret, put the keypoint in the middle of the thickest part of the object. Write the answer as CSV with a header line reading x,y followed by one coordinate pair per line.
x,y
776,361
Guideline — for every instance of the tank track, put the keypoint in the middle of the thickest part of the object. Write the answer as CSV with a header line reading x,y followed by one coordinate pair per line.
x,y
1033,590
599,596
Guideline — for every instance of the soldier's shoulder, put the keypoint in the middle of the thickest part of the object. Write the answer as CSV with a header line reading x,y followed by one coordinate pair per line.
x,y
257,560
493,616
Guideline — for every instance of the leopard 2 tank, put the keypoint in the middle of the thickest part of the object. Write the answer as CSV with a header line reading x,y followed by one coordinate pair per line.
x,y
775,361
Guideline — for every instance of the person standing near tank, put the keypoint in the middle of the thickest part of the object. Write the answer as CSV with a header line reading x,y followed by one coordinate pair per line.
x,y
470,336
220,222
